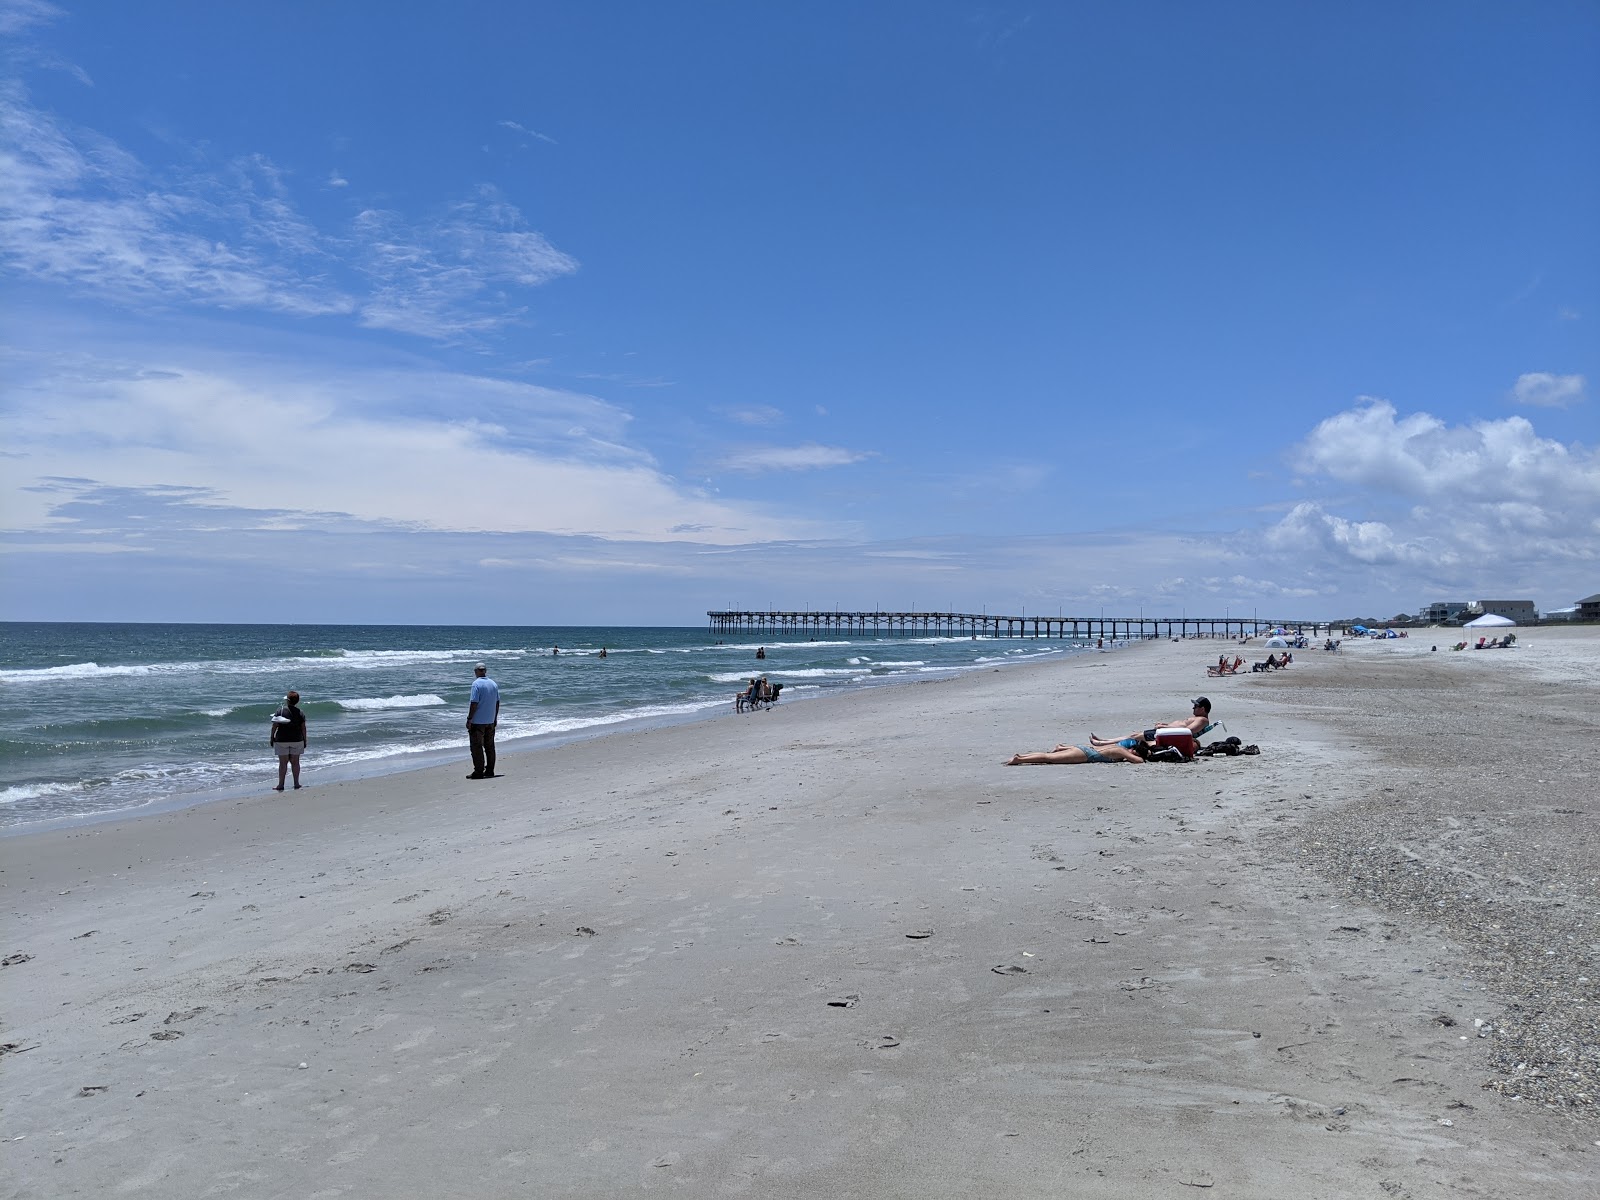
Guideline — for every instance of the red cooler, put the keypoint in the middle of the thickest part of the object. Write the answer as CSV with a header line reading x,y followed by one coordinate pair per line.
x,y
1179,738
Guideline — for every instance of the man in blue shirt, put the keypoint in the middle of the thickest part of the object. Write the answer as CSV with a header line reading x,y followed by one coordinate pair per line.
x,y
482,714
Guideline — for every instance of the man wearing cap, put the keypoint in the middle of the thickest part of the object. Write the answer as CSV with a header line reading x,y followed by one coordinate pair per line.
x,y
482,714
1198,721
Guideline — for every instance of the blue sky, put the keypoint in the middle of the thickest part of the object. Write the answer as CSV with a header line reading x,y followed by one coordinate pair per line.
x,y
582,313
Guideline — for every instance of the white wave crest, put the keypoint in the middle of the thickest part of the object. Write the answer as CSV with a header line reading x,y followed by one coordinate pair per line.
x,y
32,791
84,670
373,703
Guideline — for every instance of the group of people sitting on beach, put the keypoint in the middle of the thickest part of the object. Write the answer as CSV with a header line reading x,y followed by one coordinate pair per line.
x,y
1272,663
1485,644
1136,747
761,692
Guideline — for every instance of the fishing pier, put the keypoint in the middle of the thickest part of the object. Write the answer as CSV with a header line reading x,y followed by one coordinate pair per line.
x,y
811,624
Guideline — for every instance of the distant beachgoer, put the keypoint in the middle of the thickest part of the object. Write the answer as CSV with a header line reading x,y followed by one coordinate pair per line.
x,y
554,650
483,713
1196,723
761,651
289,738
1067,756
747,697
602,651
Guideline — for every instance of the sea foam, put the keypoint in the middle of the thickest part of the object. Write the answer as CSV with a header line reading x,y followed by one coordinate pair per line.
x,y
369,704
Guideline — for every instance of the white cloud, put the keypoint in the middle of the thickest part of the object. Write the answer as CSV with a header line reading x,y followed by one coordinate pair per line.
x,y
1543,390
76,209
1462,505
431,279
1422,457
793,458
310,446
533,133
761,414
18,15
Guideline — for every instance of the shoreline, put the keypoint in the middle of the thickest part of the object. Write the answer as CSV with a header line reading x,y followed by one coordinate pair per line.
x,y
404,763
837,949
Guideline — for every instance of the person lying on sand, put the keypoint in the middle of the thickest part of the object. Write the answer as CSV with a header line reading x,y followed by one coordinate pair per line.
x,y
1067,756
1196,723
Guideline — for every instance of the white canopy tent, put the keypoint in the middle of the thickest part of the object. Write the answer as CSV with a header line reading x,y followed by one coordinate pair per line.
x,y
1489,621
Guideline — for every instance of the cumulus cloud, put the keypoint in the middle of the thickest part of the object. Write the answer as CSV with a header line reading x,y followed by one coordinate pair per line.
x,y
1543,390
1443,504
793,458
1487,462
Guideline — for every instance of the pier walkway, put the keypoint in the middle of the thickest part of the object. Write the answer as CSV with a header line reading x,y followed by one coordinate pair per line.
x,y
948,624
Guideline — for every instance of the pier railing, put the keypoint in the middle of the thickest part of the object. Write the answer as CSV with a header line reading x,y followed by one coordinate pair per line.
x,y
951,624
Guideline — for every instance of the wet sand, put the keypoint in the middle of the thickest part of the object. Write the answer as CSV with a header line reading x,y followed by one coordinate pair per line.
x,y
837,949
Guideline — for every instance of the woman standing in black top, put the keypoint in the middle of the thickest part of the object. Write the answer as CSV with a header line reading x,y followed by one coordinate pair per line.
x,y
289,738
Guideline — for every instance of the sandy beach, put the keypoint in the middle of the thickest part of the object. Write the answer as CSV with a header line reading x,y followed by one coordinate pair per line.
x,y
836,949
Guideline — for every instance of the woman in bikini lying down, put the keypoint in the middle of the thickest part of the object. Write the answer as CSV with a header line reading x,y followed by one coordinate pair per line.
x,y
1134,750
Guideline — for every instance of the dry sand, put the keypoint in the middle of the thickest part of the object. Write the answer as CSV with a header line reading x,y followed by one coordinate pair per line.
x,y
835,949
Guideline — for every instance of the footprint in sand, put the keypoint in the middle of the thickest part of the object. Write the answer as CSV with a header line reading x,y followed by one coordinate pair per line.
x,y
417,1038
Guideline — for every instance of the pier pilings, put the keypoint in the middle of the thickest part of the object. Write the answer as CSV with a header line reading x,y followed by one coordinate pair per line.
x,y
812,624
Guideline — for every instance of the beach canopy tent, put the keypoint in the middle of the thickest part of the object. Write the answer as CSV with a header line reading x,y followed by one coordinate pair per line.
x,y
1359,629
1277,643
1489,621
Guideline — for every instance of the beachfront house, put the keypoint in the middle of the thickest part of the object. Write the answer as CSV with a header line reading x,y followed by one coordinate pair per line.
x,y
1441,612
1589,608
1520,611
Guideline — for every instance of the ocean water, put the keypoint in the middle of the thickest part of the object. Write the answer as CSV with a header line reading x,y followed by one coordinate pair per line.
x,y
102,718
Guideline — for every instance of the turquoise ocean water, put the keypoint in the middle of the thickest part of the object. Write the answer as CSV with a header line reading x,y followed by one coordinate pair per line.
x,y
99,718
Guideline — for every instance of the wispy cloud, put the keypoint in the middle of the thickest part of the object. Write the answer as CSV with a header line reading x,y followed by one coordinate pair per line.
x,y
371,445
17,16
78,210
1543,390
533,133
808,457
435,279
762,414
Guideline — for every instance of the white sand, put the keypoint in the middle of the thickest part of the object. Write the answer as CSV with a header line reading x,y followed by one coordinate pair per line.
x,y
610,972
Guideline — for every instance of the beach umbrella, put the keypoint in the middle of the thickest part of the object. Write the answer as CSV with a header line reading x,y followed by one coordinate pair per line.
x,y
1489,621
1358,629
